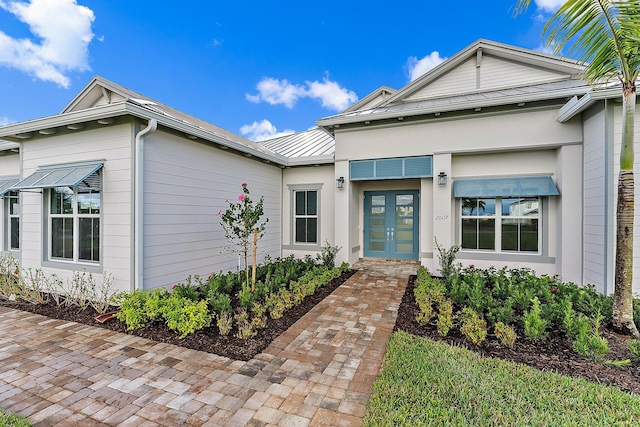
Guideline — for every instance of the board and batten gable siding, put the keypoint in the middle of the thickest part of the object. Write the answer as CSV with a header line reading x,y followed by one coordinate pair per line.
x,y
185,184
493,73
113,146
594,212
470,134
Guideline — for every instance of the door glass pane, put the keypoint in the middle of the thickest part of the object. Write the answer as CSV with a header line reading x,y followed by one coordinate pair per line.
x,y
376,222
404,223
378,206
377,234
404,205
404,247
486,233
469,233
376,246
404,234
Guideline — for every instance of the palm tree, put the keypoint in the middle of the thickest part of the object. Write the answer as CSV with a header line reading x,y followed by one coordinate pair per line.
x,y
604,35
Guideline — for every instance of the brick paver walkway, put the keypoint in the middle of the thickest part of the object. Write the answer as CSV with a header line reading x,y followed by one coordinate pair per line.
x,y
319,373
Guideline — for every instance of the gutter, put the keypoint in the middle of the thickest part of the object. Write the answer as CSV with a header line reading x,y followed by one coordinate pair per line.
x,y
138,258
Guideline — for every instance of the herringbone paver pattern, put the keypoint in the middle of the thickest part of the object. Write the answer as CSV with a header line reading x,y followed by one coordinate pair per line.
x,y
319,373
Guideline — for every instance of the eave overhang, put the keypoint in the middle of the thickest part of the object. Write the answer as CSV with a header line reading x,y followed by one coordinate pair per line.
x,y
577,105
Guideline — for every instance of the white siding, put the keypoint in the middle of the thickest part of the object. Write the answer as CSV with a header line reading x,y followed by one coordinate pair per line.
x,y
185,184
594,198
494,73
112,145
9,165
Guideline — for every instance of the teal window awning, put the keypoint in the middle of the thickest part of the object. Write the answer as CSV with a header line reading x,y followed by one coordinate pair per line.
x,y
6,184
84,175
528,186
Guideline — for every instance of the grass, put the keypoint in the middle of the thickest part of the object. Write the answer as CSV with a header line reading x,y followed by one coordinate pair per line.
x,y
423,382
10,420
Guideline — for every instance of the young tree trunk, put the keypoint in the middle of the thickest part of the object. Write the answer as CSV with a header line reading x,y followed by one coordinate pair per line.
x,y
255,255
622,320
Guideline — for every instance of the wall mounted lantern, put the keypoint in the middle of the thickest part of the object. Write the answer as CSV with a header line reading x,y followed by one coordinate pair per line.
x,y
442,178
340,182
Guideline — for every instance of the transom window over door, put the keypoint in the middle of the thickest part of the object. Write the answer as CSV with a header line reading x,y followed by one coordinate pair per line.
x,y
306,216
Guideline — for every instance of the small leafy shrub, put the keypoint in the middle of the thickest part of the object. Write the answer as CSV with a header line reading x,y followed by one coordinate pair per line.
x,y
32,286
275,306
473,326
155,303
575,324
220,303
9,272
448,266
186,316
186,290
246,297
592,345
328,254
245,327
535,326
506,334
132,309
445,317
224,323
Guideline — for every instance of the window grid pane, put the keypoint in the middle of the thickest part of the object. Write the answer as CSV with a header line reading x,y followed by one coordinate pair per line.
x,y
306,217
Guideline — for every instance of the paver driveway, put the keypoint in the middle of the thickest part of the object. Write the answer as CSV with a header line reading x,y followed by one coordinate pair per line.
x,y
320,372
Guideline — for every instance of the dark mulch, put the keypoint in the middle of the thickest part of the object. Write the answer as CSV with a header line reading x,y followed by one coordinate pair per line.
x,y
555,353
207,339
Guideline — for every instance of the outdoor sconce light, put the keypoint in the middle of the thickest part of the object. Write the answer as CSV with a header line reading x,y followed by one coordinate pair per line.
x,y
340,182
442,178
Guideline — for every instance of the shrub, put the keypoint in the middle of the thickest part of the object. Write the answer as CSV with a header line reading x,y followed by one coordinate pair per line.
x,y
328,254
186,316
445,317
591,344
506,334
245,328
154,305
132,309
246,297
224,323
634,346
220,303
534,325
186,290
473,326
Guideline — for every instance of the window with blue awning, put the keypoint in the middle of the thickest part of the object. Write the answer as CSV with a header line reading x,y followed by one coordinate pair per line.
x,y
528,186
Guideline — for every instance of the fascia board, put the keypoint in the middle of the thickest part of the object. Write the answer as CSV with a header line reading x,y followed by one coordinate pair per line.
x,y
542,96
576,106
310,160
58,120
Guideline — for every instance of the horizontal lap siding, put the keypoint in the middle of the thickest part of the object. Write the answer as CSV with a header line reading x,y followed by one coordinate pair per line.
x,y
594,252
186,184
497,73
111,145
459,80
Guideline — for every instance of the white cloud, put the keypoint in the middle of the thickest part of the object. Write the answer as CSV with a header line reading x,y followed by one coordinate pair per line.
x,y
259,131
5,121
418,67
329,93
549,5
63,30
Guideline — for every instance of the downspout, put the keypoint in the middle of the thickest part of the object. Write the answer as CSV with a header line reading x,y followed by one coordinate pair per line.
x,y
139,204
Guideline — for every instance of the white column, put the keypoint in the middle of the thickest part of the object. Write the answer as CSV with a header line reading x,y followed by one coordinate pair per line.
x,y
443,215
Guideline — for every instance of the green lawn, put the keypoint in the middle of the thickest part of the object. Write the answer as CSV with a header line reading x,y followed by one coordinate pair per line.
x,y
423,382
10,420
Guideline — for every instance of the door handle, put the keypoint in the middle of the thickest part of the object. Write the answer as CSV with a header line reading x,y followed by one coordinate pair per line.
x,y
392,233
388,234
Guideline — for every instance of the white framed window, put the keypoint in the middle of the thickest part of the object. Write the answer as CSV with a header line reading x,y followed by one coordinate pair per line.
x,y
74,224
12,200
501,224
305,216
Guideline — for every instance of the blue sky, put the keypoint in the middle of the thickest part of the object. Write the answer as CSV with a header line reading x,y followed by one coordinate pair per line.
x,y
255,68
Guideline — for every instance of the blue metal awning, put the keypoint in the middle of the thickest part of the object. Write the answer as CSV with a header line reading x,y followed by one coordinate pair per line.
x,y
6,184
79,175
528,186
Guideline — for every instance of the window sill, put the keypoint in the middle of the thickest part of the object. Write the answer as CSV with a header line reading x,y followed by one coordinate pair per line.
x,y
506,256
303,247
73,266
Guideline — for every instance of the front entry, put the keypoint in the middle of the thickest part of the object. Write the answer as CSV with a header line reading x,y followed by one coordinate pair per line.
x,y
391,224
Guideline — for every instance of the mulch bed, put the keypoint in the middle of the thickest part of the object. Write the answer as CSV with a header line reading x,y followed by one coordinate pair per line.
x,y
555,353
207,339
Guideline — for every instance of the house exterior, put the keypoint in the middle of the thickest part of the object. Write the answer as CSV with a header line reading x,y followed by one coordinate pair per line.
x,y
503,151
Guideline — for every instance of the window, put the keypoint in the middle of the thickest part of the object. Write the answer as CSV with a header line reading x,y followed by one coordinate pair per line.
x,y
306,216
74,224
13,219
501,224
